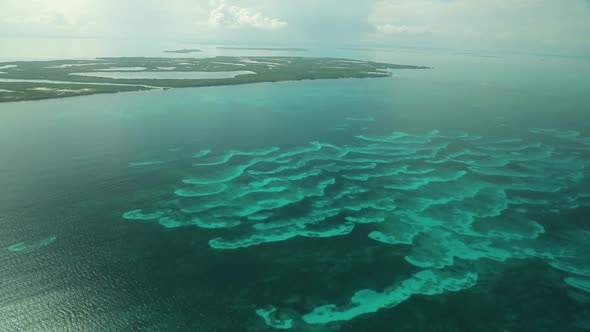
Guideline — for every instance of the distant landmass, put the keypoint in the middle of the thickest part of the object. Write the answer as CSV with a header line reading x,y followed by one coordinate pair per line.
x,y
475,54
32,80
184,51
264,49
362,49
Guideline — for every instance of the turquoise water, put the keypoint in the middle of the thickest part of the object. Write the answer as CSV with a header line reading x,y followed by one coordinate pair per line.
x,y
453,199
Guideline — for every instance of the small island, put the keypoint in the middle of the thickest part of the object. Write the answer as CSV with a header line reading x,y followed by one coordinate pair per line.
x,y
263,49
34,80
185,51
366,49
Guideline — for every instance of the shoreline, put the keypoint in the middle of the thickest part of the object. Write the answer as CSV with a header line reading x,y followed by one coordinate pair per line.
x,y
155,89
38,80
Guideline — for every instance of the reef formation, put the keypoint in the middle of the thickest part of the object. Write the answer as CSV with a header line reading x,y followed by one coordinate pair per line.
x,y
449,199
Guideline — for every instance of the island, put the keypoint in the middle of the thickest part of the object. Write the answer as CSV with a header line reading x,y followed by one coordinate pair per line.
x,y
185,51
366,49
289,49
33,80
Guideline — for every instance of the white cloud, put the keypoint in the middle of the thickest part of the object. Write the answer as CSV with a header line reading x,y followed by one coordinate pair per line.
x,y
46,12
226,15
103,18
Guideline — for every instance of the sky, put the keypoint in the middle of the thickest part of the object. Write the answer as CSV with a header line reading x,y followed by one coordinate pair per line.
x,y
461,24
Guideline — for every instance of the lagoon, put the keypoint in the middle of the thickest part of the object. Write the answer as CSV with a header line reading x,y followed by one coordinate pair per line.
x,y
167,75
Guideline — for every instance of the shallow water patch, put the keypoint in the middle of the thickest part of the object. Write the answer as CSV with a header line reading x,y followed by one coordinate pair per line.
x,y
30,246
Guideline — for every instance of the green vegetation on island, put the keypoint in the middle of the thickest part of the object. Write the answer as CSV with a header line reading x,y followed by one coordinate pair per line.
x,y
185,51
32,80
18,91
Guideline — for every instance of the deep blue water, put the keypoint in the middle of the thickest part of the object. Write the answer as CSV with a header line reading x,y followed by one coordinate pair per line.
x,y
453,199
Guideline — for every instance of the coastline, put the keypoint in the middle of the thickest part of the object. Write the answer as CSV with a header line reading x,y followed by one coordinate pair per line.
x,y
62,79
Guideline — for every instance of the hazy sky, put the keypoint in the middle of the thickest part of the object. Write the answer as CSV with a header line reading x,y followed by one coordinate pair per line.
x,y
468,24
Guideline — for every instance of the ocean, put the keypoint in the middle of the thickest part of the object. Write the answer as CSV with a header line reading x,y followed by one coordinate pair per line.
x,y
450,199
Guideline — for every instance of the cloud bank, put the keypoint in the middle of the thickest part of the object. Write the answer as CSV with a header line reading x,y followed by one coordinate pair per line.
x,y
516,22
471,24
227,15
